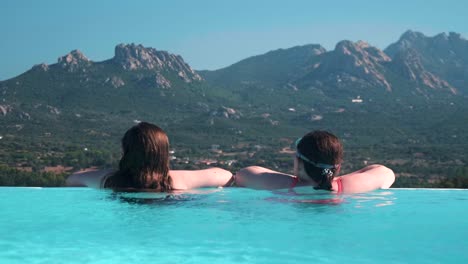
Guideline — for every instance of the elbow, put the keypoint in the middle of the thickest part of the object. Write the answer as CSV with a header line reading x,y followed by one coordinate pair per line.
x,y
72,181
389,177
223,173
245,176
224,177
240,177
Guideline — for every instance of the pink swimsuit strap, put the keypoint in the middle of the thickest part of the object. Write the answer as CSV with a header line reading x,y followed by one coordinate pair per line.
x,y
294,183
339,182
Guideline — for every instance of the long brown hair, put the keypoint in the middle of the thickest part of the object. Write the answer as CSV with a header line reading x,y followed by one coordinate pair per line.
x,y
321,153
145,160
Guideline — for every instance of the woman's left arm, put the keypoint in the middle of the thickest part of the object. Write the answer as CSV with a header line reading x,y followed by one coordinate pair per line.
x,y
212,177
256,177
87,178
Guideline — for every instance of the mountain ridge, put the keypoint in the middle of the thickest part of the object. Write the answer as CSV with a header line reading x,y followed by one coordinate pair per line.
x,y
385,107
362,65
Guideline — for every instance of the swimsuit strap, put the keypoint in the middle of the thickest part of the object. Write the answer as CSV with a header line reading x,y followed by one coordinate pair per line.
x,y
294,183
231,182
102,185
340,185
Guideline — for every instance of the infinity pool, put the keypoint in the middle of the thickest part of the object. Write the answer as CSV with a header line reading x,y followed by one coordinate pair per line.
x,y
232,225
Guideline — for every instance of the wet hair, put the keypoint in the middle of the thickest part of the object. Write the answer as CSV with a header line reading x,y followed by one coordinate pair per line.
x,y
145,160
321,153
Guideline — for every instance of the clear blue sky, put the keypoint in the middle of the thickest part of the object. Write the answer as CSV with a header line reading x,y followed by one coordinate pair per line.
x,y
208,34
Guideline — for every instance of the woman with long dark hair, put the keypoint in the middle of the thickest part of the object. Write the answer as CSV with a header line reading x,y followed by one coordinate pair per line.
x,y
144,166
317,163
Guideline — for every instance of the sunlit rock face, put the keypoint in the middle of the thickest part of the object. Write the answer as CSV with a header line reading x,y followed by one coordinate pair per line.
x,y
136,57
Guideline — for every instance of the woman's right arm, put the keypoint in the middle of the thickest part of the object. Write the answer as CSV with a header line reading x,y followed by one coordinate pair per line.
x,y
370,178
256,177
87,178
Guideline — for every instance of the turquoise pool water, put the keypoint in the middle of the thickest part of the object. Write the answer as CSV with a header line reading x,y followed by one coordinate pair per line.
x,y
232,225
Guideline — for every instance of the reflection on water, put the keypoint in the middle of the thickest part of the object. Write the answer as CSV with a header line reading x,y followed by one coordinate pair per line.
x,y
155,198
232,225
303,196
376,199
314,197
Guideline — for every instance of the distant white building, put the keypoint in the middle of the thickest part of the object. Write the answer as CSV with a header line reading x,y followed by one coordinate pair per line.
x,y
215,149
357,100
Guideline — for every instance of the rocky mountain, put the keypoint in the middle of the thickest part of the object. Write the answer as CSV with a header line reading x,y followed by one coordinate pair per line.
x,y
142,80
136,57
347,65
415,64
77,100
72,62
443,59
76,82
161,65
410,97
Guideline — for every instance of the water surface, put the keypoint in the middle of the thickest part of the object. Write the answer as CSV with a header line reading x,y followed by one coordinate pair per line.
x,y
232,225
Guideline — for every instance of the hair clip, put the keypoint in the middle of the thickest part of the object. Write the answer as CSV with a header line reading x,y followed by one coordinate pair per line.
x,y
327,172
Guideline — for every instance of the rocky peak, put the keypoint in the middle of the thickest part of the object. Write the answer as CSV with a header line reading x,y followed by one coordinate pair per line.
x,y
41,67
361,50
362,44
137,57
441,37
311,49
356,61
74,61
133,57
412,35
438,50
304,50
409,39
345,46
317,49
455,36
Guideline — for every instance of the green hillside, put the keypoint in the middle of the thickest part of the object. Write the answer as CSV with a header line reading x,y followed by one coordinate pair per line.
x,y
73,113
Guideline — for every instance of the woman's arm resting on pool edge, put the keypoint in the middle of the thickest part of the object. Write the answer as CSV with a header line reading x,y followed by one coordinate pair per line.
x,y
370,178
212,177
87,178
256,177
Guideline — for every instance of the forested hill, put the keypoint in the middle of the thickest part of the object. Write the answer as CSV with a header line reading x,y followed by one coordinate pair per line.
x,y
404,106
